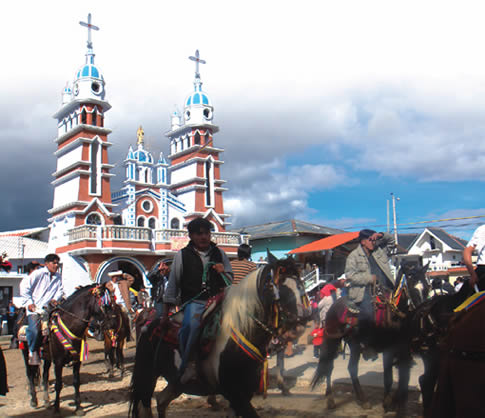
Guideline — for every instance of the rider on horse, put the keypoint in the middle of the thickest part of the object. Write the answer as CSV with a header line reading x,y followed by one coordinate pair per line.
x,y
367,266
185,286
41,288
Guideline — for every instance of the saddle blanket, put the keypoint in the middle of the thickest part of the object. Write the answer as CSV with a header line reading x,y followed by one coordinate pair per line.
x,y
471,302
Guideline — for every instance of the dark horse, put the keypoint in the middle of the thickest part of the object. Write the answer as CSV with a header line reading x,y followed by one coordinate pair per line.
x,y
67,324
115,328
392,336
269,302
459,392
430,325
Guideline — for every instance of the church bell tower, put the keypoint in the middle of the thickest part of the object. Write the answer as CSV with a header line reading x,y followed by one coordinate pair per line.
x,y
195,164
81,183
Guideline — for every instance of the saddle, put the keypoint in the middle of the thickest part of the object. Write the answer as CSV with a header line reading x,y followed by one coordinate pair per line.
x,y
209,328
344,315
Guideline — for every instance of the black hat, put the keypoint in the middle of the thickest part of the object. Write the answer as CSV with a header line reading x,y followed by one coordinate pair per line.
x,y
365,234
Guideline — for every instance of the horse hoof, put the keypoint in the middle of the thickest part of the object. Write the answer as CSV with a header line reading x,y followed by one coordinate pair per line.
x,y
331,404
388,404
79,412
365,405
33,403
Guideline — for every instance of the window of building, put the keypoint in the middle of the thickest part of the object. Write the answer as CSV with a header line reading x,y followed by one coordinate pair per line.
x,y
209,180
147,205
95,117
197,139
174,224
95,167
432,243
84,116
140,221
94,219
152,222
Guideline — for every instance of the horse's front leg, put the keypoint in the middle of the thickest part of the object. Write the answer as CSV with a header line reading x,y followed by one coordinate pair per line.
x,y
353,368
387,358
109,357
76,382
120,359
45,381
31,376
404,368
58,386
165,397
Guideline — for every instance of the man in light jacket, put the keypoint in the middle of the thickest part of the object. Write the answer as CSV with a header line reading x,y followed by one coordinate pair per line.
x,y
367,265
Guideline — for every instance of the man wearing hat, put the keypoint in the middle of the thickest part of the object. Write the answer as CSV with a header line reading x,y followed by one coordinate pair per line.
x,y
185,287
158,277
120,285
367,266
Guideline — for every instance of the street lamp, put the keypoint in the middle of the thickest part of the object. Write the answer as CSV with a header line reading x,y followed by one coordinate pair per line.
x,y
394,198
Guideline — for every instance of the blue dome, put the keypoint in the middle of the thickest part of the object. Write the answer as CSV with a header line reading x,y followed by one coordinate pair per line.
x,y
89,70
143,156
198,97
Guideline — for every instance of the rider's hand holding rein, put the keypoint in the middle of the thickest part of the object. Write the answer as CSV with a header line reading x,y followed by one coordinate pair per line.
x,y
219,267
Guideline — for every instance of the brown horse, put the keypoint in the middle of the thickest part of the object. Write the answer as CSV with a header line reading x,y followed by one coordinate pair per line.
x,y
462,365
116,327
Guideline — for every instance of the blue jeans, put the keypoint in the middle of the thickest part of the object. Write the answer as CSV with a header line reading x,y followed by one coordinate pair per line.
x,y
190,330
366,307
32,332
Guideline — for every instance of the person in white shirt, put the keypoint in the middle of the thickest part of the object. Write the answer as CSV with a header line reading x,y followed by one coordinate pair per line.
x,y
477,243
41,288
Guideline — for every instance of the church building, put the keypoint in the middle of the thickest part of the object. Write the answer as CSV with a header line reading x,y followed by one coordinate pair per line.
x,y
95,231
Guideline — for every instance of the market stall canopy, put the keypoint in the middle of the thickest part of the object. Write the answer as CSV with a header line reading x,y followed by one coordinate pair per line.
x,y
326,243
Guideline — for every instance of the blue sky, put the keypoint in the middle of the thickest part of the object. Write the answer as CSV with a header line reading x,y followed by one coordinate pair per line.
x,y
325,107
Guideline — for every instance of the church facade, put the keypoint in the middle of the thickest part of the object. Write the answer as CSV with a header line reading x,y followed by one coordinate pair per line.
x,y
95,231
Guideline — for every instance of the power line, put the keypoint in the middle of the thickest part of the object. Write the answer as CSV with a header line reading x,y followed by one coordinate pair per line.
x,y
407,224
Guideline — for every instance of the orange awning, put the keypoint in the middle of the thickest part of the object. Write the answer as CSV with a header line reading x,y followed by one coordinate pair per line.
x,y
326,243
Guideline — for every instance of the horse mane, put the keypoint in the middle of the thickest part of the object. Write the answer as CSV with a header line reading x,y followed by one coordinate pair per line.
x,y
240,302
67,304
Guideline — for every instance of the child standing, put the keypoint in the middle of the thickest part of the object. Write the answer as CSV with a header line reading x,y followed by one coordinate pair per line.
x,y
317,335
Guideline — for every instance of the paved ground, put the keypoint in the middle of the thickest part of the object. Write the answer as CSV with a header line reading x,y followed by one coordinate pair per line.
x,y
301,366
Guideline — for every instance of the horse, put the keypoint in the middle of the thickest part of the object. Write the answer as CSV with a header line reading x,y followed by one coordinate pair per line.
x,y
461,378
68,324
146,314
270,302
429,325
115,331
392,337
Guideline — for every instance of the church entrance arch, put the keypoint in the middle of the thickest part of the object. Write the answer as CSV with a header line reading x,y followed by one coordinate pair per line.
x,y
128,265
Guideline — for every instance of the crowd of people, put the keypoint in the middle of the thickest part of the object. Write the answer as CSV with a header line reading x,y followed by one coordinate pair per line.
x,y
201,270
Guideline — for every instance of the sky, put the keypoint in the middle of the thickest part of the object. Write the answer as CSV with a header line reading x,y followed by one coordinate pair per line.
x,y
325,108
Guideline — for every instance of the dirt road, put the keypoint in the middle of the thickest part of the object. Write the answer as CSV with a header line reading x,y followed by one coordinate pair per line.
x,y
103,397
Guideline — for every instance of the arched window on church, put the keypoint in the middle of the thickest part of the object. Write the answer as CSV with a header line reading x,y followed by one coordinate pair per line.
x,y
209,183
93,219
95,117
140,221
95,175
174,224
197,139
84,117
152,222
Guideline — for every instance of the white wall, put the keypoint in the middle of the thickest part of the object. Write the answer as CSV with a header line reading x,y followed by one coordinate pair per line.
x,y
186,172
66,192
69,158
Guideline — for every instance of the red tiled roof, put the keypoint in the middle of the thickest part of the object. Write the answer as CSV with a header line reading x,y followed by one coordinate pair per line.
x,y
326,243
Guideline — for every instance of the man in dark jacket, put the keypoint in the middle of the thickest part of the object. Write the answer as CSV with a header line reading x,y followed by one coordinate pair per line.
x,y
186,286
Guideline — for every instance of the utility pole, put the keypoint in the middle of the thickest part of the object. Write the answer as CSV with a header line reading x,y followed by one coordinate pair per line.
x,y
394,198
388,225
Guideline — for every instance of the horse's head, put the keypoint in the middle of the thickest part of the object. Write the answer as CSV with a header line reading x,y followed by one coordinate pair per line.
x,y
282,286
101,302
417,284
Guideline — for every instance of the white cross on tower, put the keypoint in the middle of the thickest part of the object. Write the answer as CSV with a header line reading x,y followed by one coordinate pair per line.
x,y
90,27
197,62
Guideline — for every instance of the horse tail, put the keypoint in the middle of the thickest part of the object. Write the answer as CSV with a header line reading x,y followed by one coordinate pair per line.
x,y
144,375
328,352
